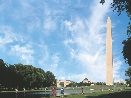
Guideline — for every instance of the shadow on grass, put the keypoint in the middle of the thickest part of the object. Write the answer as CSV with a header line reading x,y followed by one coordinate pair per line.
x,y
124,94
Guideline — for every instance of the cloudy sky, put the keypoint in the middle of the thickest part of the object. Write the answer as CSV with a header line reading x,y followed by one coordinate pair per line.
x,y
66,37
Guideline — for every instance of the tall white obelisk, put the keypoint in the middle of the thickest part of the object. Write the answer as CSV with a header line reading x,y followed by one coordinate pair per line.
x,y
109,56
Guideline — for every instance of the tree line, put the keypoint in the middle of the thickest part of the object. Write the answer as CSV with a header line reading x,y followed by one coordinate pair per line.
x,y
24,76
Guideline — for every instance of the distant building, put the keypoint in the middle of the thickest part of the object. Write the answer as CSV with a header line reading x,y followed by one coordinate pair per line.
x,y
63,83
86,81
92,84
122,81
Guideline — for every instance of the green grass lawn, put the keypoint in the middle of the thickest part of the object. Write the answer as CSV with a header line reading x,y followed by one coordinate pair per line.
x,y
124,94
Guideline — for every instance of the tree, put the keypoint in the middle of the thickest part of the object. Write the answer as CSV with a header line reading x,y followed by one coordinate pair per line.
x,y
12,77
128,73
24,76
73,84
127,51
3,73
40,77
49,79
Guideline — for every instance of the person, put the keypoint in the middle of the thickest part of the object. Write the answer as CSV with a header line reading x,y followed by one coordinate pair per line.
x,y
62,92
82,90
54,92
119,89
24,89
16,90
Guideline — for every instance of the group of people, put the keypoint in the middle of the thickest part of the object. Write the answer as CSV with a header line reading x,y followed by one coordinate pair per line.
x,y
54,92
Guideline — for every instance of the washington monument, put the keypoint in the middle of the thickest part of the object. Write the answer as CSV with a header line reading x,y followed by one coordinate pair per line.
x,y
109,57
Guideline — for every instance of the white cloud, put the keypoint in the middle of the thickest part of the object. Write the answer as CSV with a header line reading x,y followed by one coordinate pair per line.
x,y
3,5
78,77
33,24
49,24
116,67
44,55
6,35
24,52
55,60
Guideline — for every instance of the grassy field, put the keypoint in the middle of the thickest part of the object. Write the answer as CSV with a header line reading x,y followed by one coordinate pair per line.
x,y
124,94
100,87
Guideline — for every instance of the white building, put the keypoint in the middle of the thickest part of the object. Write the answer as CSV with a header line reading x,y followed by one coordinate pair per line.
x,y
63,83
86,81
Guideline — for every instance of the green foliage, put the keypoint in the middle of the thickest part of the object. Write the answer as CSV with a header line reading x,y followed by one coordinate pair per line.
x,y
24,76
127,56
3,73
102,1
49,79
73,84
121,5
127,51
128,73
84,84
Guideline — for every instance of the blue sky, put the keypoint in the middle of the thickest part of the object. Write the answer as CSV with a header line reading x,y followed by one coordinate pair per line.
x,y
66,37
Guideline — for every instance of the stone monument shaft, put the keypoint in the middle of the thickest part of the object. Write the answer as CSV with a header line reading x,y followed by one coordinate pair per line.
x,y
109,56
